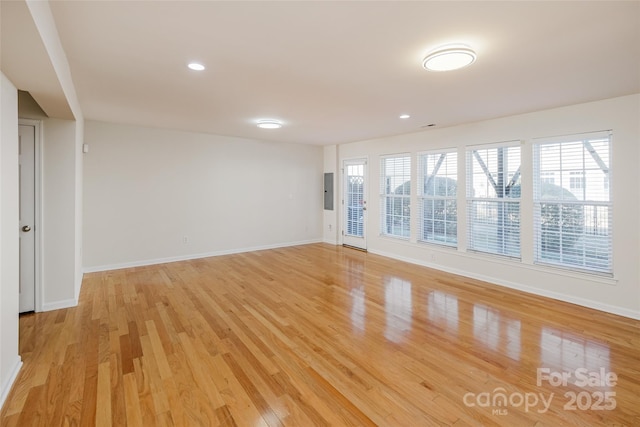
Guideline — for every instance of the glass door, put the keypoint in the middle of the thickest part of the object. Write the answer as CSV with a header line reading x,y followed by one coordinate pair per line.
x,y
355,203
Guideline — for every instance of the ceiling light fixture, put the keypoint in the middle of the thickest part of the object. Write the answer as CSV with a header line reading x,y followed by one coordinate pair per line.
x,y
195,66
450,57
269,124
404,116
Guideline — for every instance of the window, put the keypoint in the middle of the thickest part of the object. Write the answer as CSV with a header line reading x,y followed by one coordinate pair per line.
x,y
572,217
576,180
493,199
437,203
548,178
395,192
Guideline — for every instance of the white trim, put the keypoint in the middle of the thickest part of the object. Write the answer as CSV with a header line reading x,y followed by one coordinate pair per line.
x,y
500,144
330,241
573,137
57,305
438,151
38,260
395,155
620,311
142,263
11,378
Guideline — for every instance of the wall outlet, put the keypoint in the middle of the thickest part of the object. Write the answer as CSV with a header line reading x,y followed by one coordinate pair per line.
x,y
185,240
330,227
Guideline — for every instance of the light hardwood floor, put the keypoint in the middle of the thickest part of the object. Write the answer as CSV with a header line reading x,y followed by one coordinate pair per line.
x,y
317,335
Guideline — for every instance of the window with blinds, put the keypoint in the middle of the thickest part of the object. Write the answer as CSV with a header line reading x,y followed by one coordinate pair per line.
x,y
395,193
437,198
493,199
573,212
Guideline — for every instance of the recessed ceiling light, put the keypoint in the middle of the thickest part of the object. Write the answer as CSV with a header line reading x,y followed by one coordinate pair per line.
x,y
269,124
404,116
196,66
450,57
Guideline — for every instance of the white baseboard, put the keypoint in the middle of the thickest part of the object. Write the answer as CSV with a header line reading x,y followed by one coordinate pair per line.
x,y
142,263
57,305
8,383
620,311
330,242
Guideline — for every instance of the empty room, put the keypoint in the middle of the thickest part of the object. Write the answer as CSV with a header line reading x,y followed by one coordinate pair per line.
x,y
305,213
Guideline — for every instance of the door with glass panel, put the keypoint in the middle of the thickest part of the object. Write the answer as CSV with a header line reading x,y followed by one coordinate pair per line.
x,y
354,203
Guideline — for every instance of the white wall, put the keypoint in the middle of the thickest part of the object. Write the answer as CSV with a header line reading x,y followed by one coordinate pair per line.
x,y
59,235
146,189
9,240
620,294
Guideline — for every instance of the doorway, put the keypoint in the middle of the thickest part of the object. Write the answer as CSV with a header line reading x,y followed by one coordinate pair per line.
x,y
27,151
355,203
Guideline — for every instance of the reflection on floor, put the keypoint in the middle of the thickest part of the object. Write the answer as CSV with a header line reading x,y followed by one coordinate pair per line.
x,y
320,335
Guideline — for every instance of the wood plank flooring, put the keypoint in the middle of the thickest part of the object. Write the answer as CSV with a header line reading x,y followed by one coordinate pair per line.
x,y
319,335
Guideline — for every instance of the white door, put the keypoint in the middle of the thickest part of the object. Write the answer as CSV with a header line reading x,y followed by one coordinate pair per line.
x,y
355,203
27,152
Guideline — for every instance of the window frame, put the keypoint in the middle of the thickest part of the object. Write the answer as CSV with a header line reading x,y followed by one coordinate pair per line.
x,y
401,201
447,200
602,244
505,207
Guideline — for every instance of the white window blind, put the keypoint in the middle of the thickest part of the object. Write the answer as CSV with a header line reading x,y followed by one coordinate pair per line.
x,y
573,213
395,193
493,199
437,198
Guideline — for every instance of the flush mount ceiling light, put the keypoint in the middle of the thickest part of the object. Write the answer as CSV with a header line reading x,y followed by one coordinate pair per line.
x,y
195,66
447,58
404,116
269,124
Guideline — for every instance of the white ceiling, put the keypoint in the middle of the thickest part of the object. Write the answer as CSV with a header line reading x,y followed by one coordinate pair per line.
x,y
338,72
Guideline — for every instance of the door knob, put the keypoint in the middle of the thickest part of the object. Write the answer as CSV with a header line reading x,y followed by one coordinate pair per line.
x,y
26,228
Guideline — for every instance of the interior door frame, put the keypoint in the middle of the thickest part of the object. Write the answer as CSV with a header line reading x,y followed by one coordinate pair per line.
x,y
39,137
343,186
